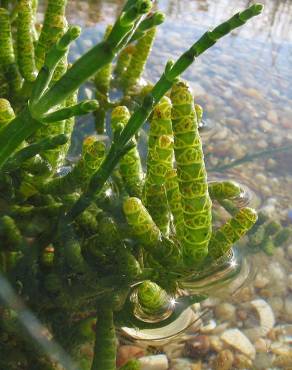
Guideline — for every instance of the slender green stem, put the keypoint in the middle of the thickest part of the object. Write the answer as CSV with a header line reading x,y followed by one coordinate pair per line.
x,y
105,341
33,149
13,134
75,110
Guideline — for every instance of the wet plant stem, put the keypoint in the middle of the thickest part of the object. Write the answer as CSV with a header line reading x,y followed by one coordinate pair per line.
x,y
105,340
86,66
168,79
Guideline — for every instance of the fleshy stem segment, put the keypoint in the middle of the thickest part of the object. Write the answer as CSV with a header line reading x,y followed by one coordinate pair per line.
x,y
192,176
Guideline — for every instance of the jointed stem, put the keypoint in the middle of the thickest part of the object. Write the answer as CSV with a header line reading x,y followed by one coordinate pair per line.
x,y
105,341
169,77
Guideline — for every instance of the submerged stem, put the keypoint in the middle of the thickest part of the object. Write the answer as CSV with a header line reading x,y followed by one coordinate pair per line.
x,y
105,341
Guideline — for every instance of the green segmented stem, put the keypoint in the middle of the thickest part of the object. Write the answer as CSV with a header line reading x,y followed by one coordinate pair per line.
x,y
160,145
128,264
93,152
123,61
152,20
7,57
223,239
146,231
68,250
17,160
174,201
79,109
11,237
54,24
192,176
159,162
102,80
139,57
25,46
105,341
6,113
130,164
69,123
52,58
4,88
156,203
103,77
224,190
53,156
57,30
141,222
151,297
199,113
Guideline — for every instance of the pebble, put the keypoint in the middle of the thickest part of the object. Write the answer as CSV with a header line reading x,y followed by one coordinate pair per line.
x,y
266,315
288,307
126,352
266,126
242,362
277,304
222,133
254,93
262,144
278,277
224,360
216,343
272,116
263,361
235,338
155,362
261,280
284,361
241,314
185,364
225,311
197,347
262,345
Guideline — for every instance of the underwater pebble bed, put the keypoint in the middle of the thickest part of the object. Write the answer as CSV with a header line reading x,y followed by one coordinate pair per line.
x,y
244,86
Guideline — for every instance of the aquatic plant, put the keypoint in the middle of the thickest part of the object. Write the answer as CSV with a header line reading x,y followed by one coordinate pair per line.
x,y
104,245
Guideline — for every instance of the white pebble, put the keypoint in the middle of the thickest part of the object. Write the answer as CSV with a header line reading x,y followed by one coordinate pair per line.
x,y
266,315
235,338
155,362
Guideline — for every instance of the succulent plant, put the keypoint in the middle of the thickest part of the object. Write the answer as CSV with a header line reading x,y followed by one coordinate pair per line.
x,y
106,238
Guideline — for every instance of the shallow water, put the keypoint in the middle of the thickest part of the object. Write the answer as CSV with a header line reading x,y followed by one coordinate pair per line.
x,y
244,85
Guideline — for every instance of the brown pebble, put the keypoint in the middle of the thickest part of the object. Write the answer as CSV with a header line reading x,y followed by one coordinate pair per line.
x,y
224,360
242,362
241,315
197,366
126,352
197,347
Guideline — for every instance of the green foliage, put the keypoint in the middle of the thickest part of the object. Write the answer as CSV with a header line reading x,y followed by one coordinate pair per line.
x,y
93,238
